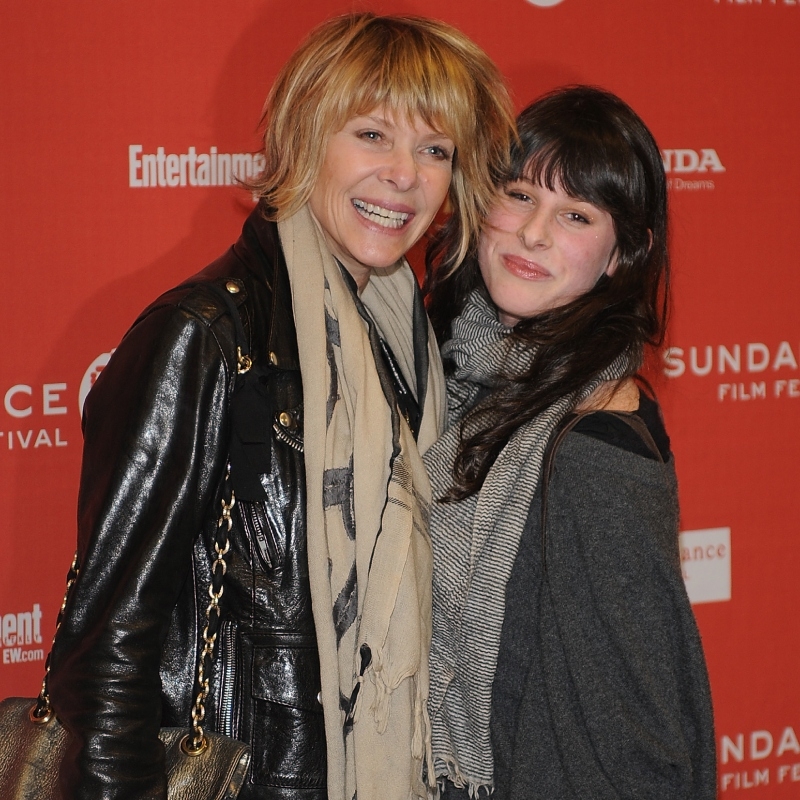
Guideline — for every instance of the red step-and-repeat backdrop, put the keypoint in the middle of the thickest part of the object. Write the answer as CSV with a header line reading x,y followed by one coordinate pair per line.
x,y
121,130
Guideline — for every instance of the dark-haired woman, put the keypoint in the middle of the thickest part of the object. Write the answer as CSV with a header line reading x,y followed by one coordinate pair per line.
x,y
566,662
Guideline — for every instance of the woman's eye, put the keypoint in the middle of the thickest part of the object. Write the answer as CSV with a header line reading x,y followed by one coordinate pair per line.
x,y
516,195
372,136
574,216
440,153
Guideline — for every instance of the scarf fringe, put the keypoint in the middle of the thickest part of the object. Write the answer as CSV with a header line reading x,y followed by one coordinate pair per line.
x,y
423,725
453,773
421,746
379,670
421,750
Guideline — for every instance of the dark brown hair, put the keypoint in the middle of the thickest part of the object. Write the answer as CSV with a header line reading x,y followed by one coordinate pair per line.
x,y
598,150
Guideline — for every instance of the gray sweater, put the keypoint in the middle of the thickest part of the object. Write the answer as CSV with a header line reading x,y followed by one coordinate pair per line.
x,y
601,688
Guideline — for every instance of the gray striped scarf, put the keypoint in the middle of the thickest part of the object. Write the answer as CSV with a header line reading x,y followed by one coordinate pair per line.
x,y
475,542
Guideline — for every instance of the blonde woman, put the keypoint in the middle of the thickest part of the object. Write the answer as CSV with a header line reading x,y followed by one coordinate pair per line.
x,y
322,654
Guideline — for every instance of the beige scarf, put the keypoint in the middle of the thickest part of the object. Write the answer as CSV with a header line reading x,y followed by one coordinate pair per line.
x,y
367,520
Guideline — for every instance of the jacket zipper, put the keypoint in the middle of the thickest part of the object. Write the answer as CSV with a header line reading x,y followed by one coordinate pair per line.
x,y
228,675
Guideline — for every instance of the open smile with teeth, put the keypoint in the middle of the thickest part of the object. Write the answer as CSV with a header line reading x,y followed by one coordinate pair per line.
x,y
382,216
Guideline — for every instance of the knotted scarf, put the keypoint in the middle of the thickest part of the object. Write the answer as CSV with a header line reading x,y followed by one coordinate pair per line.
x,y
475,541
368,500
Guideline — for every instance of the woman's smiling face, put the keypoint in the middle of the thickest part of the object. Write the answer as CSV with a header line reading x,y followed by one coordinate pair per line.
x,y
541,249
380,185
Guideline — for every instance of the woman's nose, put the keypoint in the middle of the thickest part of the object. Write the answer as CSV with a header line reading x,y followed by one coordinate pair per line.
x,y
534,230
401,169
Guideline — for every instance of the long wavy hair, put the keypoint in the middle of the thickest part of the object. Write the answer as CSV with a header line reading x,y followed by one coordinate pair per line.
x,y
594,146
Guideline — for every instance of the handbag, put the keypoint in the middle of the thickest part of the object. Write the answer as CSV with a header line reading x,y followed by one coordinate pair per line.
x,y
200,765
31,750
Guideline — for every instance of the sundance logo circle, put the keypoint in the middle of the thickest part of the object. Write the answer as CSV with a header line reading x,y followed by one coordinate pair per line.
x,y
545,3
90,376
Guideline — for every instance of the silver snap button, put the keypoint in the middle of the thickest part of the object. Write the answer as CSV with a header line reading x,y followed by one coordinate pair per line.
x,y
232,287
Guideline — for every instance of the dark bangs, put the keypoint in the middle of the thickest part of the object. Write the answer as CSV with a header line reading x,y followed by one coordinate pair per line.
x,y
591,144
577,139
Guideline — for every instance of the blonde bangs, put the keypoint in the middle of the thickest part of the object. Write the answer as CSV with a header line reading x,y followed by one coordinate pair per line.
x,y
405,72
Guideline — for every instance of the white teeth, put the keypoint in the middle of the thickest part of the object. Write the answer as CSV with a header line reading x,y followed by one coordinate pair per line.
x,y
382,216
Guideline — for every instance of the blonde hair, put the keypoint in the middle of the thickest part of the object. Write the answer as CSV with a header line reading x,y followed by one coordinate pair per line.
x,y
410,66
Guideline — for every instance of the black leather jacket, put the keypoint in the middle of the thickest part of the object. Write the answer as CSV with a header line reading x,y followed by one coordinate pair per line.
x,y
156,433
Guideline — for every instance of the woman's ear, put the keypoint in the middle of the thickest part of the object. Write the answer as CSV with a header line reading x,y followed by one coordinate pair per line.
x,y
612,263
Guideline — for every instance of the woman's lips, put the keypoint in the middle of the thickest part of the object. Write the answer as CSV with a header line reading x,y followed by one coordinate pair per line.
x,y
522,268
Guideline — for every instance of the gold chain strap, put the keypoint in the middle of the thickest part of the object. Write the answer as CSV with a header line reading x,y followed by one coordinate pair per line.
x,y
194,744
42,712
